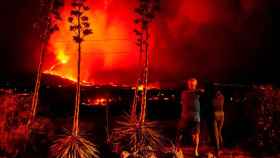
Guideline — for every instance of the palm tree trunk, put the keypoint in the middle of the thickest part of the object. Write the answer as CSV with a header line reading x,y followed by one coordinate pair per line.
x,y
146,73
136,98
75,129
35,96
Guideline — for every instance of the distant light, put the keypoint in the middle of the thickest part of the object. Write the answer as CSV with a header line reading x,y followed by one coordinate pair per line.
x,y
165,98
140,87
155,98
99,101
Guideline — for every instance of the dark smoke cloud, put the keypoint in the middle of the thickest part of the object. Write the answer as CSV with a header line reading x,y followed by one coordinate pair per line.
x,y
211,38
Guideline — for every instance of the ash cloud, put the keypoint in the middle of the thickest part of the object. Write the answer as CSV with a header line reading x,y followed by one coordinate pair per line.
x,y
213,39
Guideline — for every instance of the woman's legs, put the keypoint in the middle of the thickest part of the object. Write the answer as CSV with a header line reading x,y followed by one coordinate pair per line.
x,y
195,137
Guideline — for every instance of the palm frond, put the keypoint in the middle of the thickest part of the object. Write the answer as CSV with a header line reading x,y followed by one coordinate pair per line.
x,y
71,146
139,138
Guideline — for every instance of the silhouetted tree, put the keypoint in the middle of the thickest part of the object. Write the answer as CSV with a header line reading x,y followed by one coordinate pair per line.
x,y
142,136
146,13
73,145
45,25
80,26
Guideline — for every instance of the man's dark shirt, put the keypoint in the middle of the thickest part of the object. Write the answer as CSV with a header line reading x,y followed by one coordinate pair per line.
x,y
189,102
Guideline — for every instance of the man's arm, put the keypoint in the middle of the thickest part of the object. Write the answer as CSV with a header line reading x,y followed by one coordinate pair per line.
x,y
200,91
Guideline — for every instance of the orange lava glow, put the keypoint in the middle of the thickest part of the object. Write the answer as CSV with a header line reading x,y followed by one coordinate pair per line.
x,y
62,57
153,85
111,47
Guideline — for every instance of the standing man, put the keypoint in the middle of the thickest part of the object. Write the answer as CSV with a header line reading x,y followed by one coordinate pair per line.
x,y
218,107
190,113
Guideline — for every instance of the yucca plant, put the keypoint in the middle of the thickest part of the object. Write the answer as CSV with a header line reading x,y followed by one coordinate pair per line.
x,y
146,13
141,139
144,138
73,145
46,25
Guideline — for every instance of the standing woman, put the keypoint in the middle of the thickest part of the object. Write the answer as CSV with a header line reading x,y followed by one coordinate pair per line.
x,y
218,107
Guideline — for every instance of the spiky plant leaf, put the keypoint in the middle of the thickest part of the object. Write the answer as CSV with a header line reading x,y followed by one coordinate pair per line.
x,y
71,146
143,137
84,18
77,39
76,13
86,24
73,28
87,32
70,19
86,8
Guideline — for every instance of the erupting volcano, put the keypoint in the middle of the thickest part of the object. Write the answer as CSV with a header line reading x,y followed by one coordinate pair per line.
x,y
107,54
181,45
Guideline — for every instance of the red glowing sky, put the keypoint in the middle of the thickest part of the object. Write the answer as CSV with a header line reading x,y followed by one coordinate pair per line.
x,y
110,47
204,38
190,37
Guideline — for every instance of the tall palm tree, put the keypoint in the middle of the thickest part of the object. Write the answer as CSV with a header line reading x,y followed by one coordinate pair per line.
x,y
146,12
144,138
46,26
73,145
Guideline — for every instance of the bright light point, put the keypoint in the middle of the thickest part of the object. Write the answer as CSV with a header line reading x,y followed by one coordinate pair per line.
x,y
140,88
62,57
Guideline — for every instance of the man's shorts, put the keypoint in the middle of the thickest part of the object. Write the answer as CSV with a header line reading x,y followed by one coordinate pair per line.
x,y
190,122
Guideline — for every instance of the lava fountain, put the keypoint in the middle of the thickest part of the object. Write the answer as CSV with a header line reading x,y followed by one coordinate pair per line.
x,y
107,55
